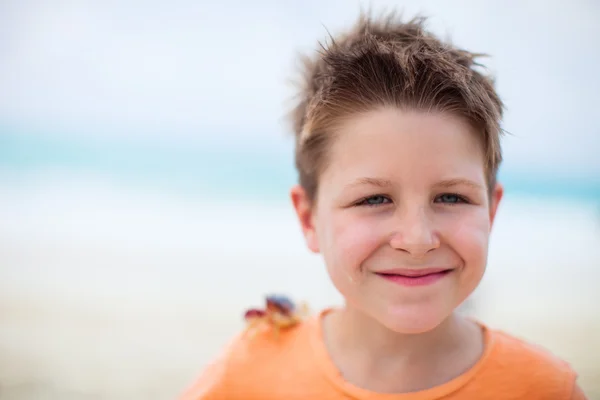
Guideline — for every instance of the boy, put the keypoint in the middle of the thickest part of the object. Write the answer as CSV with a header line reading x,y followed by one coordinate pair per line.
x,y
397,148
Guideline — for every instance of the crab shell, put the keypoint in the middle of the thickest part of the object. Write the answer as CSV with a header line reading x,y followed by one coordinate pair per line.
x,y
281,304
254,314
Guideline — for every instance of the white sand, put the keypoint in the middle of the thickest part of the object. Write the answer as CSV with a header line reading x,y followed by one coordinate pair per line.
x,y
150,344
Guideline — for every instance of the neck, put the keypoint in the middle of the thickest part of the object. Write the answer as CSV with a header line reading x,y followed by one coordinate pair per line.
x,y
370,355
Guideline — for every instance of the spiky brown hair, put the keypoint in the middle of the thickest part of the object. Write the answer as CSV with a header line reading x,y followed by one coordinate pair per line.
x,y
388,62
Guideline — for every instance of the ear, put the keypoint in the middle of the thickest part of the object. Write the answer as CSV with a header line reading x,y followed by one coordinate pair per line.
x,y
304,212
496,197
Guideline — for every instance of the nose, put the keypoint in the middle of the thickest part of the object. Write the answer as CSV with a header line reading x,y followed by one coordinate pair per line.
x,y
414,233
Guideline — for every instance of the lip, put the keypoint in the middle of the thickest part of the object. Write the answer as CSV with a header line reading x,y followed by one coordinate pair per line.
x,y
413,272
415,277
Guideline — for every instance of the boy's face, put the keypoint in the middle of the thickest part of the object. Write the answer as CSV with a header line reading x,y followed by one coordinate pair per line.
x,y
402,216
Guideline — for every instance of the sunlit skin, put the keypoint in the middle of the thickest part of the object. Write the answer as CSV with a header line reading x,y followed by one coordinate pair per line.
x,y
403,193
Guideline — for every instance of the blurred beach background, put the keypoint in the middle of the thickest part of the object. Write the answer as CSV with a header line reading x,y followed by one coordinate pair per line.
x,y
145,165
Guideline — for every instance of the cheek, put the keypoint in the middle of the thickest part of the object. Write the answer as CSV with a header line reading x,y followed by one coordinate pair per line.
x,y
348,242
468,234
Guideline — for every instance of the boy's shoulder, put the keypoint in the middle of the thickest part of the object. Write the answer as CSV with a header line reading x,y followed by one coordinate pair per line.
x,y
526,367
511,348
251,360
266,344
280,331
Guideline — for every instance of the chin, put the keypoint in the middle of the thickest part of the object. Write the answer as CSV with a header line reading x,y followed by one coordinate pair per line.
x,y
413,320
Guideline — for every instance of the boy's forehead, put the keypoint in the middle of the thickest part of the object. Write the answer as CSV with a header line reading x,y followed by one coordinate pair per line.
x,y
381,142
417,158
408,128
394,118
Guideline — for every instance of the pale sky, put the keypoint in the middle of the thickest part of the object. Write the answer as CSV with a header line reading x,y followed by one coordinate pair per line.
x,y
191,68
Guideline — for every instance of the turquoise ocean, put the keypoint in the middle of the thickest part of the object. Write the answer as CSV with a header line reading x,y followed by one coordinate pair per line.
x,y
193,167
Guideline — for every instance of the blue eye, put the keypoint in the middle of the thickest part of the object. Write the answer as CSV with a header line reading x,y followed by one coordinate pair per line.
x,y
374,201
450,198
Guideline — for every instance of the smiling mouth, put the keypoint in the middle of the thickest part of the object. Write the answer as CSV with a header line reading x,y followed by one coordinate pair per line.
x,y
415,277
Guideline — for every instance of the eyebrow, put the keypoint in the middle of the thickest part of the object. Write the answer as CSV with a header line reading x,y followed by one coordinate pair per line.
x,y
383,183
458,182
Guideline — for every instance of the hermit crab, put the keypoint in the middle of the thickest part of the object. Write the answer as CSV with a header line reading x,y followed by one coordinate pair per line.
x,y
280,313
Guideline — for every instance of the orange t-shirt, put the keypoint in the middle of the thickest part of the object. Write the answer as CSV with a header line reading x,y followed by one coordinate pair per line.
x,y
296,365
